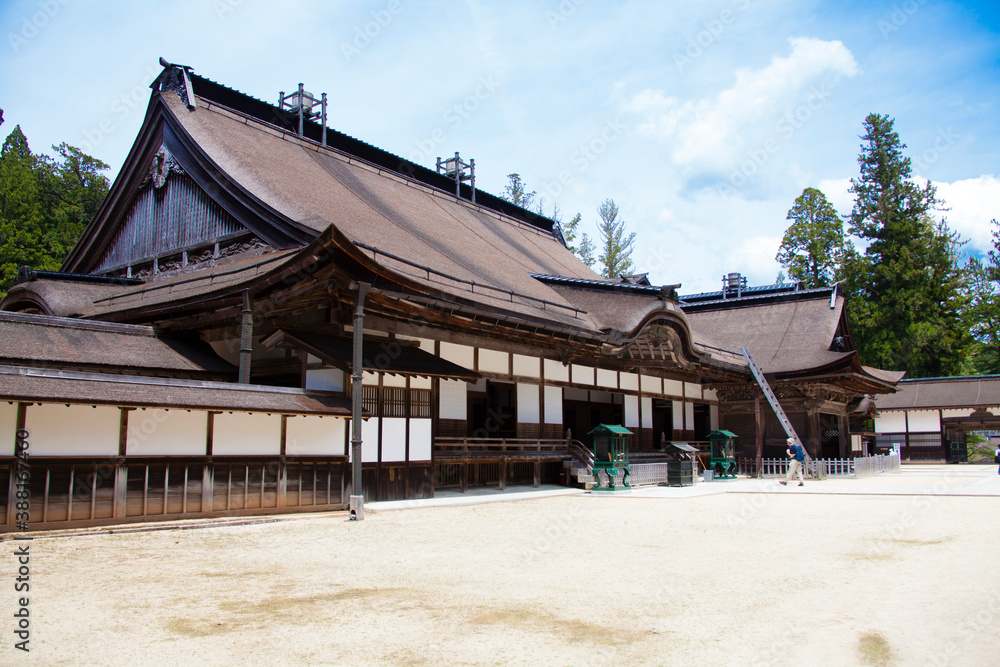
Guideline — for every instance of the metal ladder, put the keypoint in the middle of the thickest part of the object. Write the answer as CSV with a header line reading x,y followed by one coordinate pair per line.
x,y
758,375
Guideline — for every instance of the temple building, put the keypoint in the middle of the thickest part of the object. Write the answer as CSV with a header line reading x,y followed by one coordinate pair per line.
x,y
193,356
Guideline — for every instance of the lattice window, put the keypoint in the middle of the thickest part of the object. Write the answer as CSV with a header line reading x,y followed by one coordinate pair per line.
x,y
420,402
393,402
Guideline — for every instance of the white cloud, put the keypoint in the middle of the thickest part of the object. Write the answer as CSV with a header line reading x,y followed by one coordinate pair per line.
x,y
709,133
974,202
837,190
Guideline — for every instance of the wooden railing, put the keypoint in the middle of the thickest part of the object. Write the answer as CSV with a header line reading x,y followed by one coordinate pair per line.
x,y
501,448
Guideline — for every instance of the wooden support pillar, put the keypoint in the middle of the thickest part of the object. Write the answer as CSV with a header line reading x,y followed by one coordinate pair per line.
x,y
120,497
283,483
208,488
463,478
538,475
503,474
759,416
814,440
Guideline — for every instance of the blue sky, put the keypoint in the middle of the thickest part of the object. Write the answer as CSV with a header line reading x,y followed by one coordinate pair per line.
x,y
702,120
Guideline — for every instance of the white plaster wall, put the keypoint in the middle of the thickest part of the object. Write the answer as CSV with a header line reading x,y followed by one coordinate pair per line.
x,y
8,429
453,399
651,384
692,390
369,440
710,394
55,429
158,432
606,378
326,379
647,412
525,366
246,434
965,412
553,405
678,407
369,378
394,439
713,417
463,355
631,411
312,434
629,381
420,439
494,361
689,415
891,422
420,383
528,409
555,371
924,421
390,380
582,374
673,388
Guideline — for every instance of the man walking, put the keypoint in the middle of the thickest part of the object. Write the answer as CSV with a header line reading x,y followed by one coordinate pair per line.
x,y
796,455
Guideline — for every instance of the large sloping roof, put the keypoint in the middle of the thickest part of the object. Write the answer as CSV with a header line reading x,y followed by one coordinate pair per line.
x,y
940,393
317,187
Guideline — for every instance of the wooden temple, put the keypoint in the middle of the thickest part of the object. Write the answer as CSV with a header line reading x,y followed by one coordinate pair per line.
x,y
193,356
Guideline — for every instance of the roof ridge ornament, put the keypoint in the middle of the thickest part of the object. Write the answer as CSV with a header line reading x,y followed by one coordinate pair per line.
x,y
178,79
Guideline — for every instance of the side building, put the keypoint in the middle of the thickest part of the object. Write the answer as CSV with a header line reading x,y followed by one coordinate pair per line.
x,y
928,419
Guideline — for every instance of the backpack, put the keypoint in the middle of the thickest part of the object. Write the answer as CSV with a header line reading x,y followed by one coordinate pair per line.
x,y
996,457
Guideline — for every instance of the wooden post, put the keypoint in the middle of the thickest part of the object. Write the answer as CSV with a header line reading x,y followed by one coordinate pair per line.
x,y
503,474
759,430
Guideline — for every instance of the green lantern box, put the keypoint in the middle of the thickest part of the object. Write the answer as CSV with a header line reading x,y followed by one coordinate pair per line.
x,y
723,456
610,454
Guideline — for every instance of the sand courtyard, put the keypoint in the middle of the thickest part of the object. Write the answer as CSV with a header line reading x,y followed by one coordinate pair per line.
x,y
897,569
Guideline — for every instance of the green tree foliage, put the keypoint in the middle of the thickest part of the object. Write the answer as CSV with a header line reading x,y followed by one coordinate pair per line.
x,y
813,245
906,289
982,314
516,192
45,204
586,251
616,258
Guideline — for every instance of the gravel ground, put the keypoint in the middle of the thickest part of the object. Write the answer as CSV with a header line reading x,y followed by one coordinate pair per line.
x,y
893,570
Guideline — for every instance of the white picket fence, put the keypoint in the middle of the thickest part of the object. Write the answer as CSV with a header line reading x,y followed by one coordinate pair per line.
x,y
641,474
861,466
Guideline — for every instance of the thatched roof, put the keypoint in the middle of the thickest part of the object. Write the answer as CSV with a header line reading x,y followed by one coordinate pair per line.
x,y
940,393
44,385
783,337
68,343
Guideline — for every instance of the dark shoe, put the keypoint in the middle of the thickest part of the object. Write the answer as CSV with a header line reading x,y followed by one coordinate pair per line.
x,y
782,482
801,483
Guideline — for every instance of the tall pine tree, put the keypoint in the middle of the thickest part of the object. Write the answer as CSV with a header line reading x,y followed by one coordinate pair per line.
x,y
906,288
616,258
813,245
